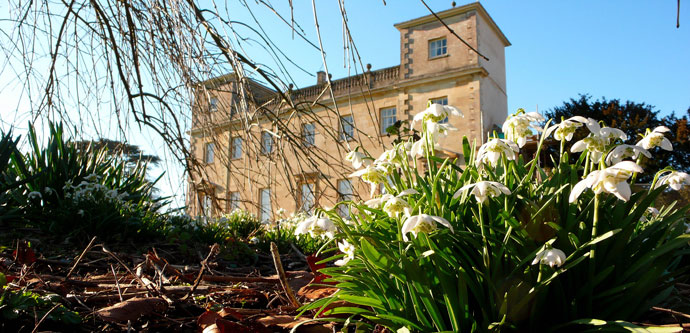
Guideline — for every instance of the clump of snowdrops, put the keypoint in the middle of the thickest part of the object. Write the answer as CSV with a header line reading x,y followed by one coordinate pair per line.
x,y
495,241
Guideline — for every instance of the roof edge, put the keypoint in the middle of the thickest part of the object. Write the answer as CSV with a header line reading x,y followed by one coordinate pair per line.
x,y
456,11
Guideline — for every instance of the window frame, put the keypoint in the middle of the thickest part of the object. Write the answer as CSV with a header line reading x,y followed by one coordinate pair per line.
x,y
305,142
261,205
302,200
343,210
234,200
383,123
233,155
444,47
213,104
209,158
264,136
342,135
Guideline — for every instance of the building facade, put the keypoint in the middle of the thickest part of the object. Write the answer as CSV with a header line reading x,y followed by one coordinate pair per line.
x,y
274,154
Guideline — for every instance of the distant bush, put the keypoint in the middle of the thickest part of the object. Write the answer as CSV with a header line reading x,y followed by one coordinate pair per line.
x,y
79,193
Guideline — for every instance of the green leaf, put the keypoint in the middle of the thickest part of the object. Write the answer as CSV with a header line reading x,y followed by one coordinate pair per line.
x,y
362,300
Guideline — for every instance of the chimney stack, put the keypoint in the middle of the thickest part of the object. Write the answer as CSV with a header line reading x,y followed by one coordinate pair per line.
x,y
320,77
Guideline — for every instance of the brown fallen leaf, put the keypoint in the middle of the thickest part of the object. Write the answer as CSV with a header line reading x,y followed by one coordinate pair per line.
x,y
132,309
313,292
289,322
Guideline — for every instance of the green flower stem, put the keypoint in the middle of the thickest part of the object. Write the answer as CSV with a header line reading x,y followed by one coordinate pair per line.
x,y
485,248
592,252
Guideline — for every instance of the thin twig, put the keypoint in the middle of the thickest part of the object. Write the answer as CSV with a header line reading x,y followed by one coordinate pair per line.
x,y
81,256
129,270
117,282
214,250
282,276
44,317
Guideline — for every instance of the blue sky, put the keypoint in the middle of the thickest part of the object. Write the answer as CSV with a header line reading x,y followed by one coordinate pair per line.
x,y
629,50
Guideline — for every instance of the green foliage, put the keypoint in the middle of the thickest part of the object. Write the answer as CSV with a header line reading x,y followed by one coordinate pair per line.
x,y
75,192
9,186
485,270
15,305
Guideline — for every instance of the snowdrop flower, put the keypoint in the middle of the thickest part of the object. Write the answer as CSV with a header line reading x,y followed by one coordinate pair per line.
x,y
518,126
377,202
280,211
674,179
316,227
423,223
566,129
611,180
624,151
552,257
436,113
111,194
357,159
649,214
371,175
483,190
490,152
35,195
92,177
395,206
656,138
48,190
595,145
254,240
80,212
597,141
419,147
438,131
349,251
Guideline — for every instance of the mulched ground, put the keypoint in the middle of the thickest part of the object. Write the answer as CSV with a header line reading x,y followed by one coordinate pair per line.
x,y
160,289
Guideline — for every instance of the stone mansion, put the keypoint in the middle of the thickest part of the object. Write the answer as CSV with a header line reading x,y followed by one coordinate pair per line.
x,y
275,154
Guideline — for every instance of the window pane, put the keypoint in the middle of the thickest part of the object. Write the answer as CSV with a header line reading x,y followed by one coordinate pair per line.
x,y
236,147
437,48
265,214
213,104
344,194
206,205
266,143
309,133
234,201
208,155
347,128
388,119
308,197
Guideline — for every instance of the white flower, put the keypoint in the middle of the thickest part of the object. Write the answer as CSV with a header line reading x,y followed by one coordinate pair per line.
x,y
92,177
611,180
316,227
111,194
423,223
566,129
357,159
490,152
552,257
377,202
254,240
371,175
649,214
674,179
419,147
436,113
280,211
438,131
624,151
48,190
80,212
597,141
656,138
35,195
392,205
349,251
483,190
518,126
